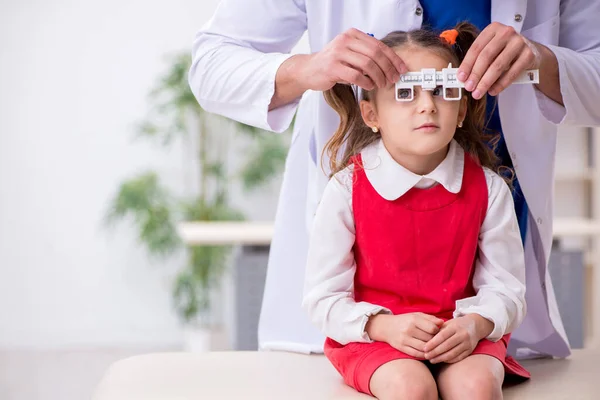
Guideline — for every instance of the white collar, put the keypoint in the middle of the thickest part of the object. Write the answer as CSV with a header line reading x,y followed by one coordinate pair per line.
x,y
391,180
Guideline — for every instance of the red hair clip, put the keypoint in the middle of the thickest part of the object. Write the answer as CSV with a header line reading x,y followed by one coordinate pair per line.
x,y
449,36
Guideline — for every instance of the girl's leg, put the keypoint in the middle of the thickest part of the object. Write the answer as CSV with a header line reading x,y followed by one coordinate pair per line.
x,y
478,376
403,379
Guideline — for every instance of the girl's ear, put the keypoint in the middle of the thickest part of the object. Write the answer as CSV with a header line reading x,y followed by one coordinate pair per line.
x,y
369,114
462,110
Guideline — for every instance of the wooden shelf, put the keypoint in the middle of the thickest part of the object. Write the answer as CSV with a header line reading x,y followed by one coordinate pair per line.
x,y
261,233
223,233
574,176
576,227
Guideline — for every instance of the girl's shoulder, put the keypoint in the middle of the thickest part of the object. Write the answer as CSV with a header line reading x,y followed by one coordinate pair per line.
x,y
344,178
495,183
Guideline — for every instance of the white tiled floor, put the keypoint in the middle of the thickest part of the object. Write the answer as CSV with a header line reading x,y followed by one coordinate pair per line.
x,y
57,374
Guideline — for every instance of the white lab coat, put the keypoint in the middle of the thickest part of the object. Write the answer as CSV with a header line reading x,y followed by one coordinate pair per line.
x,y
236,56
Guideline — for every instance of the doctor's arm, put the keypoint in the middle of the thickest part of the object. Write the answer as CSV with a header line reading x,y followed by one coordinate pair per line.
x,y
569,88
236,56
329,280
352,57
578,60
499,277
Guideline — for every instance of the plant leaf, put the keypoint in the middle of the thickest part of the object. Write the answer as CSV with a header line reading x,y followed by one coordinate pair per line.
x,y
147,204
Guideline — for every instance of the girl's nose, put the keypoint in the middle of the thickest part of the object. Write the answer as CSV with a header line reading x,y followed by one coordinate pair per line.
x,y
425,102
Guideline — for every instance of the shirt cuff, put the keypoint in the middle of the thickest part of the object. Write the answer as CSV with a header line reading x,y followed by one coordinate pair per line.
x,y
469,306
279,119
551,110
363,324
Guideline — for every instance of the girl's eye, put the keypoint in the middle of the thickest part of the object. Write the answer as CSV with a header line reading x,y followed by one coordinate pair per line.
x,y
404,93
438,91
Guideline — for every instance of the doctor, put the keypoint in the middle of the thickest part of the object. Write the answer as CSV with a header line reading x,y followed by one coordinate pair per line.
x,y
242,69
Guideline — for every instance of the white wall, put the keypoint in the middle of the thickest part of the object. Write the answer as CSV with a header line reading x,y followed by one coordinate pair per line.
x,y
73,82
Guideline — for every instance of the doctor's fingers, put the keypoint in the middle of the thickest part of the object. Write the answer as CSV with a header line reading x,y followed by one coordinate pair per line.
x,y
385,57
352,76
465,69
515,57
529,58
492,54
366,65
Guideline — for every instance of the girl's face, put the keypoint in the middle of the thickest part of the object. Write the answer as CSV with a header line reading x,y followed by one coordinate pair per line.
x,y
423,127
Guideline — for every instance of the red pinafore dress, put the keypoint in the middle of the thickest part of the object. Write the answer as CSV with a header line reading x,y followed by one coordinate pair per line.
x,y
414,254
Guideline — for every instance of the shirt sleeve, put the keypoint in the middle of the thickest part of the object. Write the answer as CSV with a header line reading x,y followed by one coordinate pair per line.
x,y
236,56
499,277
329,282
578,56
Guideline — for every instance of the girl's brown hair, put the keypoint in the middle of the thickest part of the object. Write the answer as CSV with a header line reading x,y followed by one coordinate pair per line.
x,y
355,135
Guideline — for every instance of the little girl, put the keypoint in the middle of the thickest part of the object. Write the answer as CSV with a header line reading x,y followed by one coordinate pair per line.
x,y
416,272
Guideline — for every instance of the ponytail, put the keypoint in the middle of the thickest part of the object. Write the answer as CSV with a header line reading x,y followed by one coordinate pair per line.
x,y
352,131
474,136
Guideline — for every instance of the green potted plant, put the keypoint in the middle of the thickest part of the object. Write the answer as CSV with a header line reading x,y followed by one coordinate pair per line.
x,y
155,210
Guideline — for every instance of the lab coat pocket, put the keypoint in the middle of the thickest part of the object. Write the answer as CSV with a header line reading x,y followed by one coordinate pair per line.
x,y
546,32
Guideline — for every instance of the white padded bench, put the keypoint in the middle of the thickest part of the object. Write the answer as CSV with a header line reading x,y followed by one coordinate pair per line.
x,y
282,375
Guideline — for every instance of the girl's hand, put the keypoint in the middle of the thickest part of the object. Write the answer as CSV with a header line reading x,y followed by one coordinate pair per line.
x,y
353,57
496,58
457,339
405,332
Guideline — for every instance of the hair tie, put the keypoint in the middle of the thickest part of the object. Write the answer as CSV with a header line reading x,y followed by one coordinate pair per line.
x,y
450,36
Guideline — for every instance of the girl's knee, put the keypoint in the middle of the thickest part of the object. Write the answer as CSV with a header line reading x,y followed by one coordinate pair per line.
x,y
479,385
401,389
476,377
483,385
417,383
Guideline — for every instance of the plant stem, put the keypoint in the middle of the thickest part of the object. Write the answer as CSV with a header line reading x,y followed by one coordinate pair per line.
x,y
223,156
203,162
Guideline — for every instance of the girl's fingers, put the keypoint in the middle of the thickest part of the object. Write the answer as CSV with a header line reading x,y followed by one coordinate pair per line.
x,y
460,357
438,339
451,341
421,334
415,344
451,354
428,325
411,351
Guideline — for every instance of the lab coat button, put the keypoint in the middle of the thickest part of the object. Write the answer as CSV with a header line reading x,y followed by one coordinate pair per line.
x,y
539,221
419,11
518,17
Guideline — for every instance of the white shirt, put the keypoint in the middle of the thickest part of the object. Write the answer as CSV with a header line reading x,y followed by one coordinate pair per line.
x,y
236,56
499,277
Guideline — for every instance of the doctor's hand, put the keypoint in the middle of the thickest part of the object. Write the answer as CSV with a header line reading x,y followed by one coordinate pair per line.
x,y
457,339
496,58
353,57
405,332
